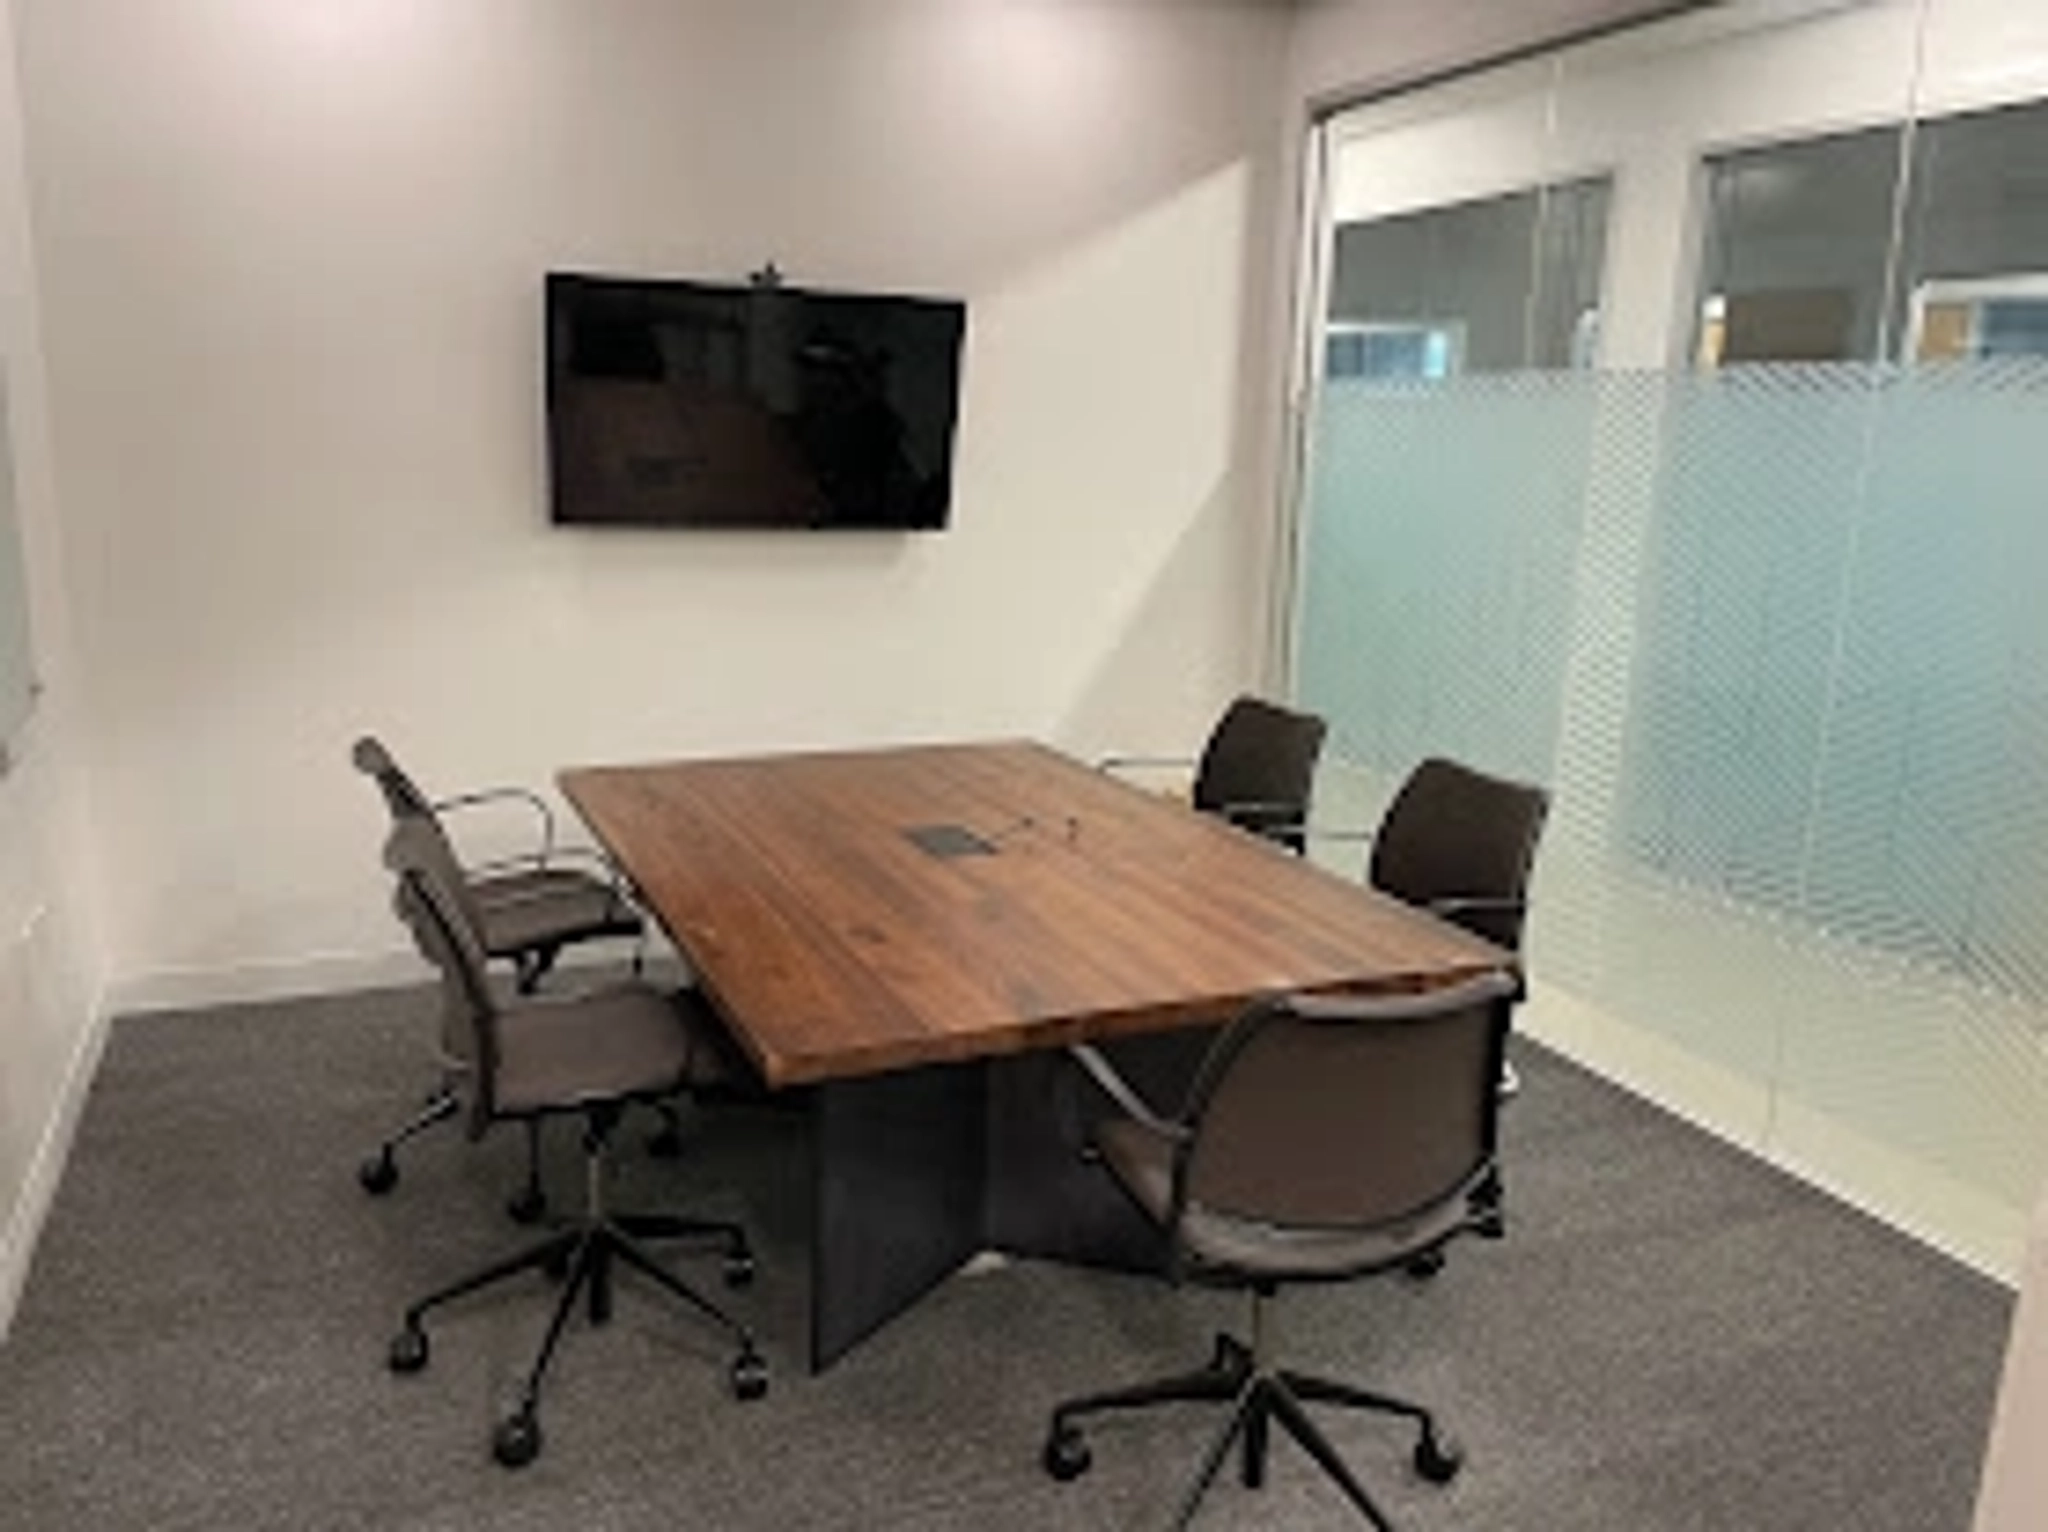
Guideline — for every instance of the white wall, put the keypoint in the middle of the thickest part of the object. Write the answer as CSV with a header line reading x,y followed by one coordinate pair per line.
x,y
292,257
1357,47
49,962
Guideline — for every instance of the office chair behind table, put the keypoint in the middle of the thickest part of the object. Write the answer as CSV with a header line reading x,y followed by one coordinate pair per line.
x,y
1257,769
1462,845
1324,1139
528,907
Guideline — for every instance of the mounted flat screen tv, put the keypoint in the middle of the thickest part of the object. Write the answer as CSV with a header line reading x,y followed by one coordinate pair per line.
x,y
689,404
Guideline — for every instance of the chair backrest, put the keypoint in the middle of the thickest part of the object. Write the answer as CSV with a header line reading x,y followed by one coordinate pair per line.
x,y
1259,767
431,900
402,795
411,809
1454,834
1348,1113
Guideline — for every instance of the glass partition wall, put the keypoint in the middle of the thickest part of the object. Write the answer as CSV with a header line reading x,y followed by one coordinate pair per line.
x,y
1678,438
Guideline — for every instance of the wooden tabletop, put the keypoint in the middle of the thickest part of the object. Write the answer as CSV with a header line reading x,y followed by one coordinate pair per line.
x,y
857,912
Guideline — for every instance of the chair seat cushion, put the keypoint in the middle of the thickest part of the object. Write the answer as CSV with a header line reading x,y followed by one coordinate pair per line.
x,y
520,911
617,1041
1228,1248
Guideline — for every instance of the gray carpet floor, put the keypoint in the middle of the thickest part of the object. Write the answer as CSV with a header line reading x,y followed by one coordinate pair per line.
x,y
1673,1336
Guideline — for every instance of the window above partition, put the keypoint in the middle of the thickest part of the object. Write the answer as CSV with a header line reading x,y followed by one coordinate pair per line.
x,y
1922,244
1498,284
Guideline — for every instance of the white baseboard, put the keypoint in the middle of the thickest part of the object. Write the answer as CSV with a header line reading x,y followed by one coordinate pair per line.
x,y
183,989
46,1168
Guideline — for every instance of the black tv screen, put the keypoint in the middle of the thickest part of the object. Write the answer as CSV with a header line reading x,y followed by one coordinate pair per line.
x,y
676,403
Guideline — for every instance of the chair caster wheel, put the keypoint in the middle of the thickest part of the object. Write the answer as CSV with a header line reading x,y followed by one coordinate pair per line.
x,y
516,1442
749,1376
739,1269
1437,1458
1425,1266
1066,1456
408,1351
378,1174
528,1206
1228,1354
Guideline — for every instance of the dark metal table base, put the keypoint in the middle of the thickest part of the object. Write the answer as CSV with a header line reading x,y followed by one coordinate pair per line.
x,y
915,1172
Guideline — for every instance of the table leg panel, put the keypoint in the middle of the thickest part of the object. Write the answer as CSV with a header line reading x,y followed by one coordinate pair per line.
x,y
1046,1199
899,1169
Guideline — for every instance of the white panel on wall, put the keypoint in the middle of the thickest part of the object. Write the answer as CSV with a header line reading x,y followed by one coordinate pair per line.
x,y
17,655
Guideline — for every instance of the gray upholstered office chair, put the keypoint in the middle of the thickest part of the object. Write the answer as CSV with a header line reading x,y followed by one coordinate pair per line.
x,y
584,1055
1324,1139
1257,769
528,908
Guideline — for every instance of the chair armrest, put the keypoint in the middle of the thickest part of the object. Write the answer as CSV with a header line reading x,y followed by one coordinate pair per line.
x,y
522,795
1119,1090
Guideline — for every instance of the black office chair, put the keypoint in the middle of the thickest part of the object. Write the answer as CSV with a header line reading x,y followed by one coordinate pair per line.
x,y
1462,844
587,1055
1257,769
528,908
1324,1139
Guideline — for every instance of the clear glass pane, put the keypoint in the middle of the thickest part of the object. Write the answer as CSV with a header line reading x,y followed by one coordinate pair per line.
x,y
1975,261
1798,248
1494,285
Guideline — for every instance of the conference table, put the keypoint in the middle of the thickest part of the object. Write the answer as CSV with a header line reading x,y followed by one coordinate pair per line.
x,y
909,937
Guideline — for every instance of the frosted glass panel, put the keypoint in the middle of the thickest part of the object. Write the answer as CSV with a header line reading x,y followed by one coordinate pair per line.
x,y
1841,703
1438,571
1753,517
1931,802
1834,832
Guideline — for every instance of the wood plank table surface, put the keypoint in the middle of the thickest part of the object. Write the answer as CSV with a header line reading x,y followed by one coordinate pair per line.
x,y
857,912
